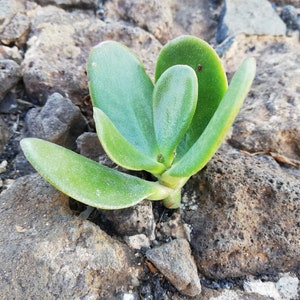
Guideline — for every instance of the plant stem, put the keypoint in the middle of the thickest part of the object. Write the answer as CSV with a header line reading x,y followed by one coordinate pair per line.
x,y
173,200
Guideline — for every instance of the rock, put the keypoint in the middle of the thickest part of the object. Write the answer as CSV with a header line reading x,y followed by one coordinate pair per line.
x,y
4,134
8,9
154,16
175,262
9,76
48,69
247,220
266,289
82,4
254,17
194,17
46,252
295,3
137,241
289,15
288,286
88,145
11,53
269,119
58,121
134,220
285,288
16,31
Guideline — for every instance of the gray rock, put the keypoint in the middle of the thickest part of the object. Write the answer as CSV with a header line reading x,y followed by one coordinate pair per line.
x,y
8,9
247,219
16,31
289,15
88,145
295,3
10,74
155,16
138,219
175,262
269,119
4,134
48,69
48,253
253,17
83,4
11,53
285,288
58,121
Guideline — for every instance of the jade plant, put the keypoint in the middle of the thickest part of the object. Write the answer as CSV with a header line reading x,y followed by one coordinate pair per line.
x,y
170,128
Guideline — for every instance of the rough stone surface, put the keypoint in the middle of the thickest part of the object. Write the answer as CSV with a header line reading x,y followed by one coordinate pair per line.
x,y
83,4
16,31
62,68
48,253
11,53
154,16
9,76
246,18
247,221
4,134
133,220
8,9
295,3
269,119
289,14
58,121
174,260
285,288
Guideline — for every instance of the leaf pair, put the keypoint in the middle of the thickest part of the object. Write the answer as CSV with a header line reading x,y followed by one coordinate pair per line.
x,y
138,124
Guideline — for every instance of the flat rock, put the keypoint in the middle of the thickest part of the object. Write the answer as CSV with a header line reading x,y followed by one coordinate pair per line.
x,y
247,221
58,121
174,261
46,252
8,9
253,17
269,118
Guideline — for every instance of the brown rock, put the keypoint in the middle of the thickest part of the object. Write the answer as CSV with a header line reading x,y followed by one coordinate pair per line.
x,y
62,68
247,220
46,252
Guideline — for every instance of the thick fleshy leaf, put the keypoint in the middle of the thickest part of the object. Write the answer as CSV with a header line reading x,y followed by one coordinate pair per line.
x,y
212,82
86,180
120,150
120,87
215,132
174,102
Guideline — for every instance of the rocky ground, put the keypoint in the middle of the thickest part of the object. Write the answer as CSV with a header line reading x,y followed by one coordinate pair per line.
x,y
237,233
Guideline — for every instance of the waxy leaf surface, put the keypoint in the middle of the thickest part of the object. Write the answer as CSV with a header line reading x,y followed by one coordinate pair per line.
x,y
120,87
212,82
87,181
205,147
120,150
174,103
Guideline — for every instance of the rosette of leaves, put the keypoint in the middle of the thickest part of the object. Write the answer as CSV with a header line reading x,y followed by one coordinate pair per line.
x,y
170,128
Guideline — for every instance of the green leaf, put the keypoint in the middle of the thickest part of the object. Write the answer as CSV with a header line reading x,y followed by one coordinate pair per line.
x,y
174,103
86,180
120,87
119,149
215,132
212,82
